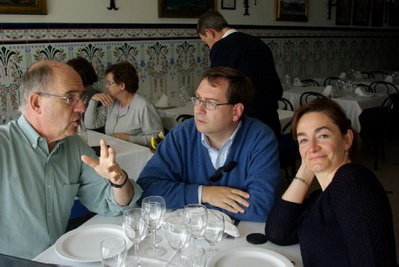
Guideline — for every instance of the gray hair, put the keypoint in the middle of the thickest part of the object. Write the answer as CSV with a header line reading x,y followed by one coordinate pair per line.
x,y
36,79
211,20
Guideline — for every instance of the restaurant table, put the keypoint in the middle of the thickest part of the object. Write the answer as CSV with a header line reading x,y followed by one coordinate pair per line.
x,y
290,252
366,81
352,105
131,157
168,116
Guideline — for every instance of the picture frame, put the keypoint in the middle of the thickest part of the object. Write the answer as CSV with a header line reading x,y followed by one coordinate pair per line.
x,y
393,19
361,12
292,10
25,7
344,12
184,9
228,4
377,16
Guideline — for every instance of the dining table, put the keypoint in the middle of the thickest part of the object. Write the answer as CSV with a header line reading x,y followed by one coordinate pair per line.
x,y
131,157
353,105
53,256
169,115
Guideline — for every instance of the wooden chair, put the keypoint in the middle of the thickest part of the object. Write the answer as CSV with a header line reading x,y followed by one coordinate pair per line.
x,y
330,80
309,96
383,86
378,74
309,82
183,117
288,152
364,86
285,104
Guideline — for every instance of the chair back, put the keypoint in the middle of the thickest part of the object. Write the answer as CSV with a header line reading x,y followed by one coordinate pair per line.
x,y
378,74
384,87
309,82
309,96
331,80
285,104
183,117
365,87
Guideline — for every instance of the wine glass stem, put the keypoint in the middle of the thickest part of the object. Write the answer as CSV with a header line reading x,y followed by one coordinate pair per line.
x,y
154,239
136,253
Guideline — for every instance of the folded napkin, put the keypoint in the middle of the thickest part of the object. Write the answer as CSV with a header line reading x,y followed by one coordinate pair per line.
x,y
342,76
358,75
360,92
389,79
297,82
162,102
327,91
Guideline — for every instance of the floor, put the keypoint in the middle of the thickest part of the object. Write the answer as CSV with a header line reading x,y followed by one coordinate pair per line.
x,y
388,174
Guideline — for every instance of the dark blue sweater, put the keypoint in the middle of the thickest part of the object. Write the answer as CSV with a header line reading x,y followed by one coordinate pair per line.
x,y
182,163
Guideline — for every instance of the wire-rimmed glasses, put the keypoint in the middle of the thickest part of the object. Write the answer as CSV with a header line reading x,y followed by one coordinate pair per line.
x,y
71,100
155,207
226,168
207,104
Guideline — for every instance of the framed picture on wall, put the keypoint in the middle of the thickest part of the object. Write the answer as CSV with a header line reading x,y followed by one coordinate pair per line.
x,y
361,12
344,12
228,4
292,10
377,16
393,13
183,9
30,7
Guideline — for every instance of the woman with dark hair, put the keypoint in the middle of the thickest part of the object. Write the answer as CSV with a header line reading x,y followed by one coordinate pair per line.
x,y
125,113
349,221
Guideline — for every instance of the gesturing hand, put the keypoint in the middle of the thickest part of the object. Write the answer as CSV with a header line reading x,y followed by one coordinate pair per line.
x,y
104,98
224,197
106,165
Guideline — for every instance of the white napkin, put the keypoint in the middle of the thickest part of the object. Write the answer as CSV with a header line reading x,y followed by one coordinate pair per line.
x,y
297,82
327,91
389,79
342,76
360,92
162,102
231,229
358,75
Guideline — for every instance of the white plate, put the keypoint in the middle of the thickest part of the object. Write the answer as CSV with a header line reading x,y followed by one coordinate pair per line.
x,y
83,243
248,256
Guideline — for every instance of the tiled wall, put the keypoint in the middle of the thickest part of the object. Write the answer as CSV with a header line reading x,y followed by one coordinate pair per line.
x,y
169,57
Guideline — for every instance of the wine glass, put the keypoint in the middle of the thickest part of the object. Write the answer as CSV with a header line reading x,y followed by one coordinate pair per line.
x,y
198,215
155,207
178,234
113,252
214,230
135,224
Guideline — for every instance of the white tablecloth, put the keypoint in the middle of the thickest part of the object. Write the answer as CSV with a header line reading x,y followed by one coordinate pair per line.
x,y
290,252
131,157
169,116
352,106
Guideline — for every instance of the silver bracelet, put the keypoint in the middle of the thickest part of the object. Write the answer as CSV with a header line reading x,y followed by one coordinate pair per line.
x,y
302,180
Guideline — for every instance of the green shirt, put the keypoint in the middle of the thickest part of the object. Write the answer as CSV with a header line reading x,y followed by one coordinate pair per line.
x,y
38,188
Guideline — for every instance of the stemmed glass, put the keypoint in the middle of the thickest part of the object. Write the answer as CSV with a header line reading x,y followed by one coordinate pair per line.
x,y
178,234
214,230
135,224
198,215
155,207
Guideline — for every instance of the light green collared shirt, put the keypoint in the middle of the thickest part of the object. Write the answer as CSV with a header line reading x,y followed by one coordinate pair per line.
x,y
38,188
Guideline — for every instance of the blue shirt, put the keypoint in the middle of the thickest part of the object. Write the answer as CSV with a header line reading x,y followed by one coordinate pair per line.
x,y
38,188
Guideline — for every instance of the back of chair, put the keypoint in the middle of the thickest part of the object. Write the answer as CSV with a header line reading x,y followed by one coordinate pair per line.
x,y
365,87
378,74
331,80
285,104
309,82
183,117
309,96
384,87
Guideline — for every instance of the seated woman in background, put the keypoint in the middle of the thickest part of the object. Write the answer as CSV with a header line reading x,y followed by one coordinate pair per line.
x,y
87,74
349,221
125,113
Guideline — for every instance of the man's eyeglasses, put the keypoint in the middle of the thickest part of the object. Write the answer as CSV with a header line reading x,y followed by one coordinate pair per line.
x,y
110,82
207,104
71,100
226,168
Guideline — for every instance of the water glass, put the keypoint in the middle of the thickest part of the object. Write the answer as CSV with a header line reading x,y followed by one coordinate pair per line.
x,y
198,215
113,252
194,256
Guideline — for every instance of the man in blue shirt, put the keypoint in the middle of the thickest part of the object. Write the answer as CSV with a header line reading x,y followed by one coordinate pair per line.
x,y
44,165
221,157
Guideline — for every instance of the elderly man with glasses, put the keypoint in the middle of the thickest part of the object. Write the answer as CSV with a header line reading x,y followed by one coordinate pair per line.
x,y
44,165
220,158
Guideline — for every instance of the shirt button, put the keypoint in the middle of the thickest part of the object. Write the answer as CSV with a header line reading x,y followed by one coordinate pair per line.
x,y
34,146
